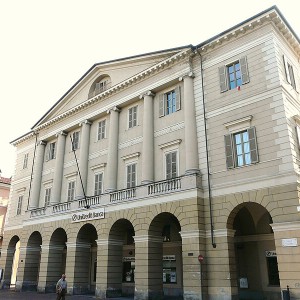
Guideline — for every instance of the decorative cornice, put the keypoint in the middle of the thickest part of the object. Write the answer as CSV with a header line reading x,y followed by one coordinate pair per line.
x,y
168,144
133,155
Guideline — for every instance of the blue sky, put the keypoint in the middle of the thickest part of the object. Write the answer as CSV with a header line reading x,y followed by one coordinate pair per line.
x,y
46,46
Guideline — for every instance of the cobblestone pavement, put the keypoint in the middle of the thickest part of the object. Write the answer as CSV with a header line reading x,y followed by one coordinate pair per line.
x,y
6,294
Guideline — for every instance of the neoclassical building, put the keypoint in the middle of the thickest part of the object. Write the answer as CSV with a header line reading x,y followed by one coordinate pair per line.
x,y
167,174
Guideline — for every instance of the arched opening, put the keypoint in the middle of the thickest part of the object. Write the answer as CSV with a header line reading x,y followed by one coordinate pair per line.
x,y
56,258
121,260
255,252
101,84
32,262
85,260
165,253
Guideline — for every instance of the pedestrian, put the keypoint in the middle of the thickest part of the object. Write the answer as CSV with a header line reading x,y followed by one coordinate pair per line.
x,y
61,288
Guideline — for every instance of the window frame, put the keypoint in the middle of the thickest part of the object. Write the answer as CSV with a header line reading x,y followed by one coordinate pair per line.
x,y
98,186
71,191
224,75
51,151
163,102
101,133
19,205
131,175
75,143
47,196
289,72
166,155
132,116
231,154
25,161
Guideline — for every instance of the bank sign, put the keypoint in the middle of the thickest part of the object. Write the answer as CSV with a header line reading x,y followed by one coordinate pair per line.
x,y
87,216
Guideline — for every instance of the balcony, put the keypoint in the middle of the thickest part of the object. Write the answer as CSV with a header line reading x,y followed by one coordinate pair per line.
x,y
143,192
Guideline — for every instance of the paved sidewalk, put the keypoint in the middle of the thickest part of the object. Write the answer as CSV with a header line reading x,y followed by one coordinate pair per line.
x,y
6,294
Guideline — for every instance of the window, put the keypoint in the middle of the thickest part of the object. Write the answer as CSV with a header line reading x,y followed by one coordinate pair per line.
x,y
71,190
171,165
25,161
101,130
241,148
19,207
234,75
51,151
100,87
98,183
47,196
289,72
75,140
131,175
132,117
169,102
273,274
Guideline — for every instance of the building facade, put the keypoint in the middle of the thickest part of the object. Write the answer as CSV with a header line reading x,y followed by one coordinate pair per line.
x,y
167,174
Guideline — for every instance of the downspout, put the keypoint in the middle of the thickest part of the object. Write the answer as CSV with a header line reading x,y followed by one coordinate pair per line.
x,y
36,135
207,159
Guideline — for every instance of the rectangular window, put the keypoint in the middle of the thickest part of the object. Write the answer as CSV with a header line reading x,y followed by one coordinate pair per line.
x,y
47,196
75,140
171,165
101,130
19,207
169,102
100,87
132,117
71,190
131,175
241,148
289,72
234,75
273,273
52,150
25,161
98,183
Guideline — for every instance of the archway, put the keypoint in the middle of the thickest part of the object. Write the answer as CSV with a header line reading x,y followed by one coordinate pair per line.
x,y
32,261
56,258
165,253
255,252
86,260
121,259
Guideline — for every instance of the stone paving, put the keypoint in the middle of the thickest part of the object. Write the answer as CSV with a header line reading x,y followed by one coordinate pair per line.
x,y
6,294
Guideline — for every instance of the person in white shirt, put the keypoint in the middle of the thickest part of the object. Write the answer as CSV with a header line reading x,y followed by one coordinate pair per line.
x,y
61,288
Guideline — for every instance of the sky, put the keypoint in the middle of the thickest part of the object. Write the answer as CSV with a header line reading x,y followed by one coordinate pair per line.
x,y
46,46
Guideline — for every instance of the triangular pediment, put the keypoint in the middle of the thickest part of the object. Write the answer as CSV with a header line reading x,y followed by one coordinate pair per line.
x,y
103,77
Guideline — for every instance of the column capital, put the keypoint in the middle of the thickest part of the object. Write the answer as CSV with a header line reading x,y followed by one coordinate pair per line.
x,y
148,93
42,143
115,108
189,74
63,133
88,122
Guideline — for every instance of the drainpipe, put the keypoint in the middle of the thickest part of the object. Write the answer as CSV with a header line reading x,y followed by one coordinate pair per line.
x,y
207,160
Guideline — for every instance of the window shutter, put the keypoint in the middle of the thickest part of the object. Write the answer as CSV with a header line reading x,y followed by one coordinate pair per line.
x,y
229,151
168,166
97,88
161,105
286,68
48,152
253,144
178,98
223,79
244,70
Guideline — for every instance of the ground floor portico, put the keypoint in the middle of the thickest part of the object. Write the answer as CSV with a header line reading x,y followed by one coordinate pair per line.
x,y
153,251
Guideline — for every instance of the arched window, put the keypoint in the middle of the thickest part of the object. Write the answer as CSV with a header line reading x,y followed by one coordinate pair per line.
x,y
100,85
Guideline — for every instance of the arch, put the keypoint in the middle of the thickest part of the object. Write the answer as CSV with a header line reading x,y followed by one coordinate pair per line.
x,y
121,269
251,245
102,83
57,252
85,260
165,275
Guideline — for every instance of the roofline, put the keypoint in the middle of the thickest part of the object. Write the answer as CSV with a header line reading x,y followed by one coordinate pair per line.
x,y
107,62
22,136
274,7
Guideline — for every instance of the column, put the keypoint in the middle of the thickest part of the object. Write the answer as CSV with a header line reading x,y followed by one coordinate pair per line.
x,y
191,141
58,168
83,158
112,157
193,245
148,139
37,176
148,267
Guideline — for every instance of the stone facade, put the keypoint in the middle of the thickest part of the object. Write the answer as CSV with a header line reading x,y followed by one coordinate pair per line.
x,y
168,174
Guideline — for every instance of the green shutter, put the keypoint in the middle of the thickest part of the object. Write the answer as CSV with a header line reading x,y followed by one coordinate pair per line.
x,y
253,144
244,69
223,79
178,98
286,68
161,105
229,151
